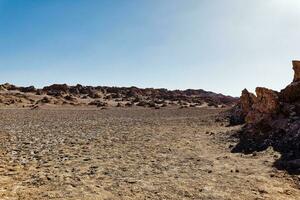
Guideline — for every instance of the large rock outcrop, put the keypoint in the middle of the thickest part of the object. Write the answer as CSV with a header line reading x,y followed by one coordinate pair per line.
x,y
265,105
254,108
272,119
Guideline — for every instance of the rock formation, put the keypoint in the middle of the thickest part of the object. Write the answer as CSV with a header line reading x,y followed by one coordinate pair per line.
x,y
271,119
247,100
252,109
61,94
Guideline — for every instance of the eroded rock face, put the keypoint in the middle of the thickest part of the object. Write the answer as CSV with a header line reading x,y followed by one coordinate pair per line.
x,y
239,112
247,100
255,108
273,119
267,101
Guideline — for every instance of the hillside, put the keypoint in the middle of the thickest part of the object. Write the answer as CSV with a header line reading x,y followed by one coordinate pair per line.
x,y
62,94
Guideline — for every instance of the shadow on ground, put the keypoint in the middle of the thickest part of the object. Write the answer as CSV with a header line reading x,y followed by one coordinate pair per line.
x,y
288,145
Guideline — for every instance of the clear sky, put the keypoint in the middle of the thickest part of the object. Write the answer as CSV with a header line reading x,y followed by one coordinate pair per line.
x,y
218,45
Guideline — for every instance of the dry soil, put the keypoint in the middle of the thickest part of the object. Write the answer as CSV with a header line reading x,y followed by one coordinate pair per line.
x,y
131,153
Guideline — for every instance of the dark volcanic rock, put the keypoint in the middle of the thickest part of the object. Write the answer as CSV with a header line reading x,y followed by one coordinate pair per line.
x,y
56,89
149,97
27,89
98,103
272,119
70,98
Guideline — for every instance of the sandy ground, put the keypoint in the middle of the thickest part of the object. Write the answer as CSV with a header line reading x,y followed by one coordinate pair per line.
x,y
130,153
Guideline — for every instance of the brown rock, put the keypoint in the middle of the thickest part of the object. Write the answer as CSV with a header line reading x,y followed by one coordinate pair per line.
x,y
2,88
27,89
267,101
256,108
253,117
239,113
296,68
44,100
247,100
8,86
70,98
291,93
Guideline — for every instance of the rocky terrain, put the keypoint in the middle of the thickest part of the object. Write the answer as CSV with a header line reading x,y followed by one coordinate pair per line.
x,y
83,142
62,94
137,153
272,120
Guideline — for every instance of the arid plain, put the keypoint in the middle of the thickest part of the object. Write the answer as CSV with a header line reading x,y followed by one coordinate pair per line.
x,y
131,153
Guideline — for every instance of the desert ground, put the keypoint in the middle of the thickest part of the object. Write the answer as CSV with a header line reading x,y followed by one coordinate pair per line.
x,y
131,153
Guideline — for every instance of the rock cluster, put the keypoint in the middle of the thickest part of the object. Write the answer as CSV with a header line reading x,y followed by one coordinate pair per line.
x,y
61,94
271,119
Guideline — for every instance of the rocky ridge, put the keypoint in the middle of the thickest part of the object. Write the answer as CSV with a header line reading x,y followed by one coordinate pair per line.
x,y
102,96
272,119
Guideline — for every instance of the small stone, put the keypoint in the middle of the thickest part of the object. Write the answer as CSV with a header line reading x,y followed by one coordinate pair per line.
x,y
131,181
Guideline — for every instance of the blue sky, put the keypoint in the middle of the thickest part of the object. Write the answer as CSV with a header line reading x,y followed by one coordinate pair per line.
x,y
217,45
